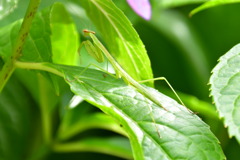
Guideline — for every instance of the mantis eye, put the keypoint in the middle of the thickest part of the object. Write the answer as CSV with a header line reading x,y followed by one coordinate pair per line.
x,y
86,31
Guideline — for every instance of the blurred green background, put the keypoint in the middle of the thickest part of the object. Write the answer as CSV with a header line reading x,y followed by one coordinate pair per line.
x,y
181,48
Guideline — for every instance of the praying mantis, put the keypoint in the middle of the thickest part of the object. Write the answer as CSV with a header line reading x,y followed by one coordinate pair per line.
x,y
96,50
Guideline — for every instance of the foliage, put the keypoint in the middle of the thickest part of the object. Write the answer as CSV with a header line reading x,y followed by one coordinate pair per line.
x,y
225,90
54,106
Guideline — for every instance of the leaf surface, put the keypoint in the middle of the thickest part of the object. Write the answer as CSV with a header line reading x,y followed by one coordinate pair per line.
x,y
225,89
37,47
64,36
183,134
121,38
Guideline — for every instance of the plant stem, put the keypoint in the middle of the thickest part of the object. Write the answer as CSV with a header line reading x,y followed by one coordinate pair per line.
x,y
38,66
9,66
44,107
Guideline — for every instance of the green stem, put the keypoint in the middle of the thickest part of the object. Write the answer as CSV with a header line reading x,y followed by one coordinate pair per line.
x,y
9,66
44,107
38,66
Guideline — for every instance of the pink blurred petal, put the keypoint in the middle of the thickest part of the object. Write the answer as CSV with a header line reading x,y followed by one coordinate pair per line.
x,y
141,7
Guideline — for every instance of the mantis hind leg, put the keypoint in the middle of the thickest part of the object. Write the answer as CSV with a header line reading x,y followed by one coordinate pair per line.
x,y
170,86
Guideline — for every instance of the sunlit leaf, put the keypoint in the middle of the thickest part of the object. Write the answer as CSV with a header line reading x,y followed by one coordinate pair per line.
x,y
176,3
212,3
182,133
64,36
121,38
225,89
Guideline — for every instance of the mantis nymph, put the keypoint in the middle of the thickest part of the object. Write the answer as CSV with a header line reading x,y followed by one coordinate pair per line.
x,y
96,49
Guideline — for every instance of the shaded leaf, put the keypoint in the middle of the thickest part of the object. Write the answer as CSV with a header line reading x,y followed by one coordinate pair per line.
x,y
15,121
212,3
74,124
121,38
225,90
117,146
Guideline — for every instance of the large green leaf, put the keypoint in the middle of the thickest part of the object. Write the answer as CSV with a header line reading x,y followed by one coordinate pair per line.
x,y
41,45
64,36
6,6
121,38
37,47
225,89
183,134
212,3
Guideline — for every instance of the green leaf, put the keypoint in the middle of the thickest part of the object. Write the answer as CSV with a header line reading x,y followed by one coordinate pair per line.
x,y
183,134
116,146
15,121
74,124
176,3
37,47
64,36
212,3
225,90
7,37
6,7
40,41
52,29
122,40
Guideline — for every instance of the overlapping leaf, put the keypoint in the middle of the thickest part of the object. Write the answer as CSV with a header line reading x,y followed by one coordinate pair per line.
x,y
121,38
38,46
183,134
64,36
225,89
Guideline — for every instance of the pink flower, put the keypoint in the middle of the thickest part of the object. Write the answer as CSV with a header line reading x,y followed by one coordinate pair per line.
x,y
141,7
